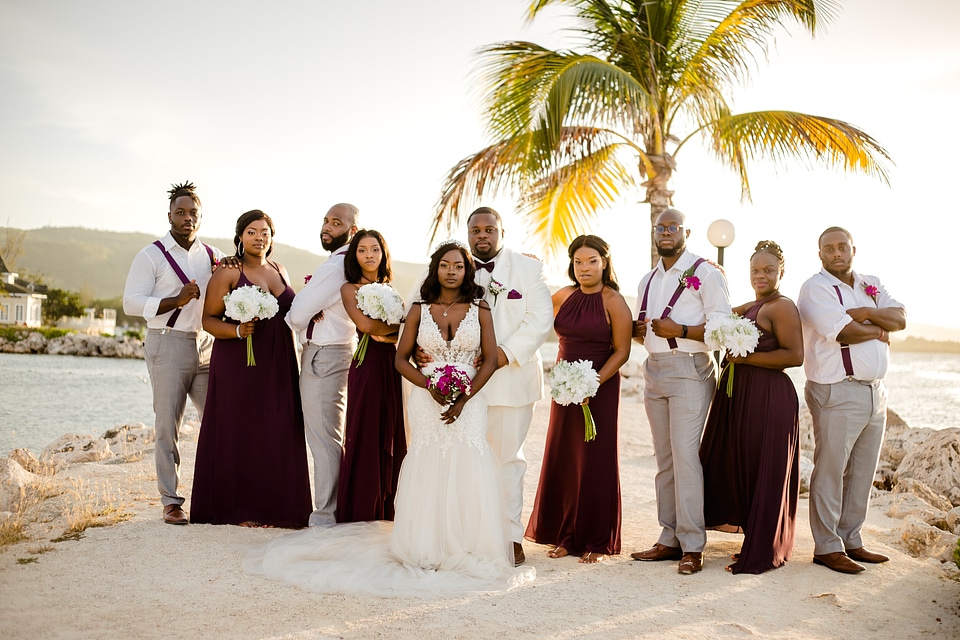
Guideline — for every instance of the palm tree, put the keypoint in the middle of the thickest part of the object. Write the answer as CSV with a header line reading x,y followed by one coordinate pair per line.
x,y
576,131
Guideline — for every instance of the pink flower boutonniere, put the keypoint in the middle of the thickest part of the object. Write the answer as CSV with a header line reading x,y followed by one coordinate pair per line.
x,y
689,280
872,291
306,278
495,288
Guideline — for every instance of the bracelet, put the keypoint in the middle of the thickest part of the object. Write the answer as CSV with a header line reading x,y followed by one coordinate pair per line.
x,y
684,333
238,332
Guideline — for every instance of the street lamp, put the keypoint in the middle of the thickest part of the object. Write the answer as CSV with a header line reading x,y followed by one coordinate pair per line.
x,y
720,233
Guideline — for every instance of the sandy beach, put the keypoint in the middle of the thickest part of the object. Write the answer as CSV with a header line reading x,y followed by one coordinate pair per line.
x,y
141,578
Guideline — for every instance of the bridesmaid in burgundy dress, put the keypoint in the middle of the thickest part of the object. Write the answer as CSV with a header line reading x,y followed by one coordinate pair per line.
x,y
251,467
374,438
577,508
750,450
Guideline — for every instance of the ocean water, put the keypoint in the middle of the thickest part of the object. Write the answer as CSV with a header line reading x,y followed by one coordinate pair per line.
x,y
42,397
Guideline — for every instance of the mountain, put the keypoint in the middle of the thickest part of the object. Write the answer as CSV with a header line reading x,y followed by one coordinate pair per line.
x,y
95,263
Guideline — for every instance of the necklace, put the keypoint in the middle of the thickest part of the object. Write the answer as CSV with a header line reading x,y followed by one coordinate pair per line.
x,y
446,307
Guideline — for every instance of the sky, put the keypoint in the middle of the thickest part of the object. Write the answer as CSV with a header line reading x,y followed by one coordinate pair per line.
x,y
292,106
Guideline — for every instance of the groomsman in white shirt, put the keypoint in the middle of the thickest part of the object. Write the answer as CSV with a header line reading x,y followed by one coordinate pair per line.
x,y
847,319
327,336
674,302
165,286
522,318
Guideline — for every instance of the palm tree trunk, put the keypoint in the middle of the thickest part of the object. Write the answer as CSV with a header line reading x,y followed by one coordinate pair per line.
x,y
659,197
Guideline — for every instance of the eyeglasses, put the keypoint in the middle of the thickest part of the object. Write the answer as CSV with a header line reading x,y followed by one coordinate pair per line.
x,y
672,228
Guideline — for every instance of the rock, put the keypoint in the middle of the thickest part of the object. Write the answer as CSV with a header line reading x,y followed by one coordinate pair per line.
x,y
807,442
14,483
953,520
909,505
922,491
72,448
806,470
26,459
883,476
936,463
922,540
899,441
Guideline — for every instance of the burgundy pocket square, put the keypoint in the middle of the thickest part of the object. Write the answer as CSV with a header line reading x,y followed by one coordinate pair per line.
x,y
514,295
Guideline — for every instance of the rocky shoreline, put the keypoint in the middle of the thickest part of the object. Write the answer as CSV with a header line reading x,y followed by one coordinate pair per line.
x,y
75,344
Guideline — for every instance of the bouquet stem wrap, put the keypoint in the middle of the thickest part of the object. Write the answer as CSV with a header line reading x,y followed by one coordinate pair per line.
x,y
251,361
589,426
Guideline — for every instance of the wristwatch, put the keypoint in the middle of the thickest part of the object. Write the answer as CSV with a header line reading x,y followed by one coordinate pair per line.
x,y
684,333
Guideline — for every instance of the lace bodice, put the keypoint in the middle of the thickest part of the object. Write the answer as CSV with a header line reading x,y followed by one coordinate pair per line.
x,y
462,350
426,427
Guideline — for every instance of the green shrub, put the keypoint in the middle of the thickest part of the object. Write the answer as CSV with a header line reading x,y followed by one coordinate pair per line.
x,y
16,334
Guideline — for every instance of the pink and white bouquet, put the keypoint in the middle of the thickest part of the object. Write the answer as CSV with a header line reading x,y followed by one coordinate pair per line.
x,y
573,383
734,334
247,303
451,381
380,302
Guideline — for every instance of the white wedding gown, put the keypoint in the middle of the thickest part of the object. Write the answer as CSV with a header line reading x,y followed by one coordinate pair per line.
x,y
450,533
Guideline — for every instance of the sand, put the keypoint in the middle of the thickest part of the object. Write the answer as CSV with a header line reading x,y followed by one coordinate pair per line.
x,y
144,579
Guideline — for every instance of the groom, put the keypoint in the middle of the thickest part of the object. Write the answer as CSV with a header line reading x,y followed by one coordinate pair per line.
x,y
517,293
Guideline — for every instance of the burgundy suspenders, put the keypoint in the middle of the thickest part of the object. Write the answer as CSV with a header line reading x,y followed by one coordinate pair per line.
x,y
180,274
673,300
844,347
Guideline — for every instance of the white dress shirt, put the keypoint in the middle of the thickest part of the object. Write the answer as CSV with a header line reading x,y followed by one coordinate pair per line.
x,y
823,317
322,293
151,279
693,307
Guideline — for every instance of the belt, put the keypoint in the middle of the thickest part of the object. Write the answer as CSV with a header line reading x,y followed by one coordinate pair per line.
x,y
674,353
174,332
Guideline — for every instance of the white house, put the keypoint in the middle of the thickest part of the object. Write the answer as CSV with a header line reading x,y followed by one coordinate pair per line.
x,y
20,301
89,323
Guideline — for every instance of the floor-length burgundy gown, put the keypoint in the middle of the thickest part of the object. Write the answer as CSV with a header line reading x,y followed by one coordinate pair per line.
x,y
251,455
751,459
578,499
374,438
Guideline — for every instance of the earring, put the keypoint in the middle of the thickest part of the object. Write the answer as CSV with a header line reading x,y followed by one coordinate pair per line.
x,y
239,249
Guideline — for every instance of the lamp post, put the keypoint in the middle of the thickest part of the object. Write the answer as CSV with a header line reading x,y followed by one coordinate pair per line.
x,y
720,233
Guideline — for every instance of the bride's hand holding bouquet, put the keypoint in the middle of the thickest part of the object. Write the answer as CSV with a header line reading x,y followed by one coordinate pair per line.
x,y
246,305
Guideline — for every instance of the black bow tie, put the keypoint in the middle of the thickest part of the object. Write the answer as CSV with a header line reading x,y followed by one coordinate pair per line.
x,y
484,265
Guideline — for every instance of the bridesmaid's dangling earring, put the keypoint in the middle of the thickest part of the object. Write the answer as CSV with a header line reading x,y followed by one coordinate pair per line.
x,y
239,249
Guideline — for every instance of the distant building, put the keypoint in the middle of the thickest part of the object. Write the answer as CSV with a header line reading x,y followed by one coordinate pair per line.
x,y
90,324
21,302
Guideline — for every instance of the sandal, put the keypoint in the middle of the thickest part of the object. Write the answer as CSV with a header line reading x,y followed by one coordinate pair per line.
x,y
557,552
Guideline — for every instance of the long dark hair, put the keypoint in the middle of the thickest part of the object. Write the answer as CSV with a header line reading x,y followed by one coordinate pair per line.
x,y
351,266
469,290
244,221
600,246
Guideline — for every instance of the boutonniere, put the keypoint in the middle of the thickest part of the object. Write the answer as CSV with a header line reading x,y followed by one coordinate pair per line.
x,y
306,278
872,291
495,288
690,281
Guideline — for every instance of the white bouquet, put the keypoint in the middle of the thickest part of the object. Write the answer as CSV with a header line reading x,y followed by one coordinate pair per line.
x,y
380,302
573,383
734,334
247,303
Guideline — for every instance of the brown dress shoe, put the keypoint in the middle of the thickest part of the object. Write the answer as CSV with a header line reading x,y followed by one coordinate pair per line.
x,y
838,562
173,514
518,557
862,555
690,563
658,552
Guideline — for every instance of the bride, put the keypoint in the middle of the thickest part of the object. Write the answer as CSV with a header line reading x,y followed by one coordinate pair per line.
x,y
450,532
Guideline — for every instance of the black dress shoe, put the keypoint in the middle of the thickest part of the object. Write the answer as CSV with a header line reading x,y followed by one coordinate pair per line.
x,y
173,514
838,562
862,555
658,552
518,557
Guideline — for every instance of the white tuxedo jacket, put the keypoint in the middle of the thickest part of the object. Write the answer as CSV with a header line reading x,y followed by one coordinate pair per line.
x,y
522,318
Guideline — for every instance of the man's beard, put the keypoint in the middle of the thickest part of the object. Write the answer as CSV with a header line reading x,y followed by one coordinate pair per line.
x,y
335,242
675,251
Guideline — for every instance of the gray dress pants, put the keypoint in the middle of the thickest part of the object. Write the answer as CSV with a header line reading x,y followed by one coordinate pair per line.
x,y
179,365
323,394
678,389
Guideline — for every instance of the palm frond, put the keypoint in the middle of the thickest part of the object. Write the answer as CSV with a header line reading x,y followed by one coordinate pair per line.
x,y
784,135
